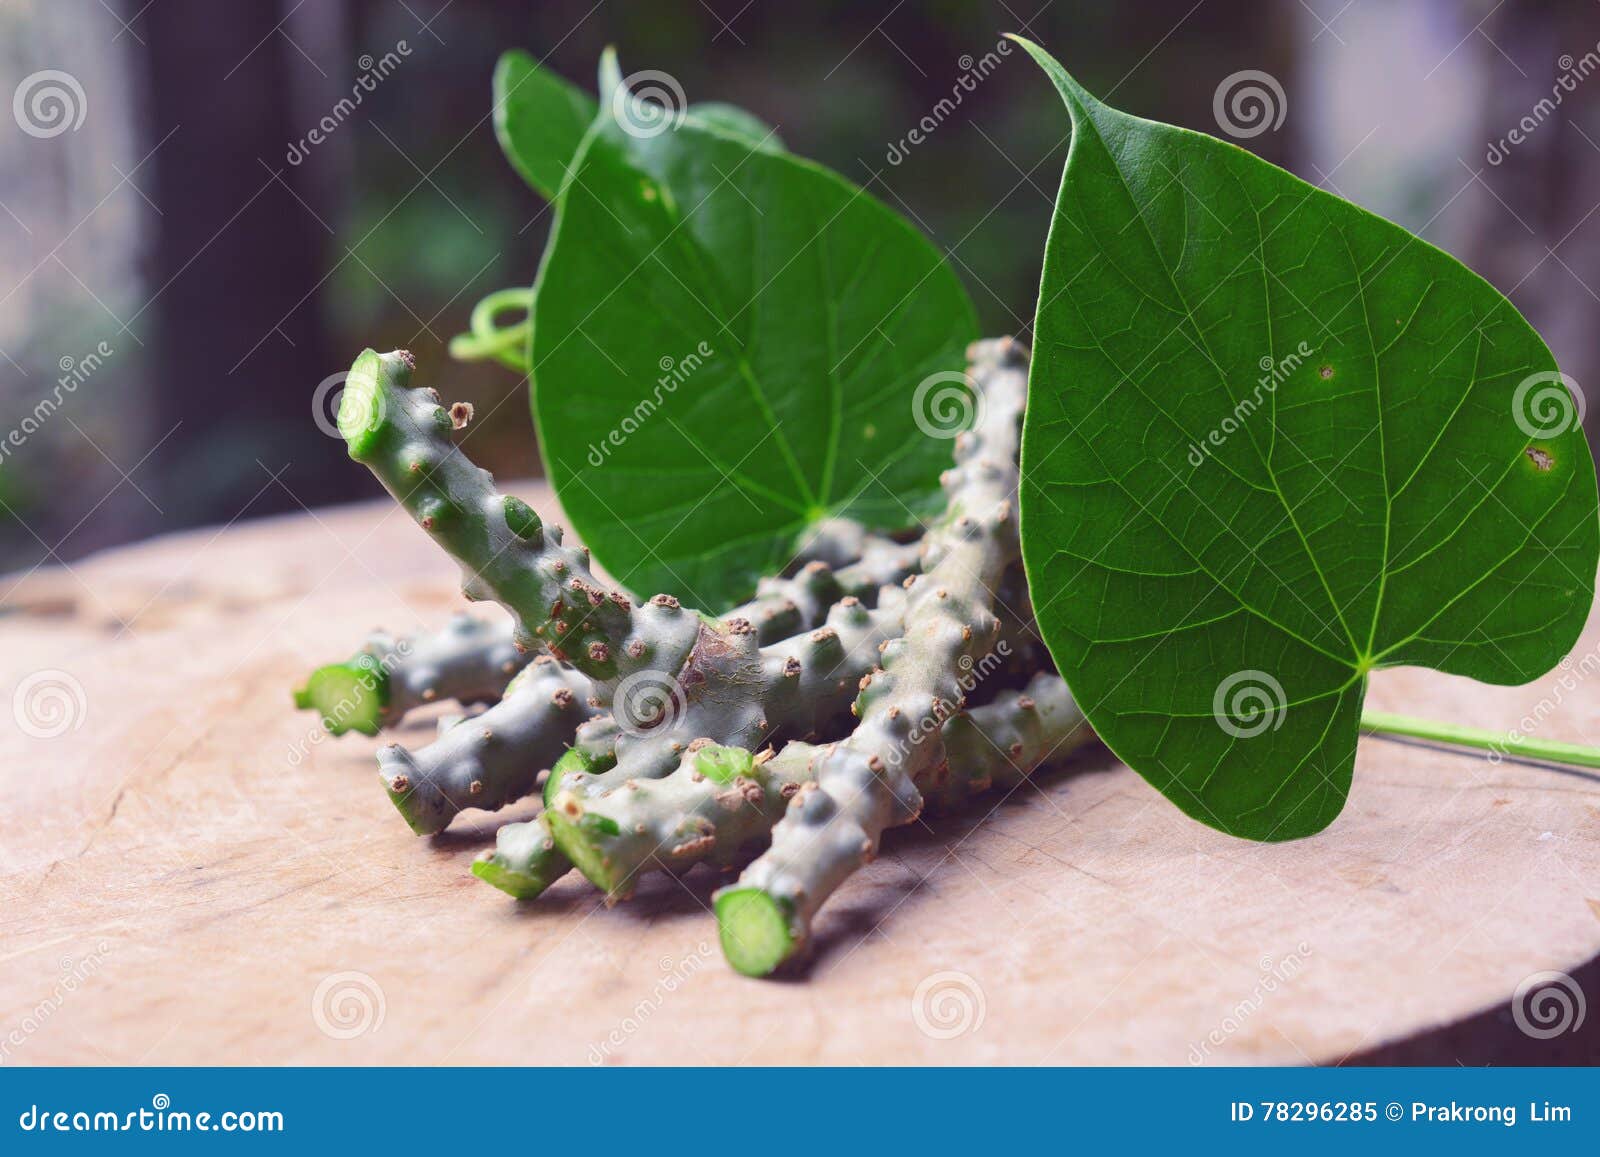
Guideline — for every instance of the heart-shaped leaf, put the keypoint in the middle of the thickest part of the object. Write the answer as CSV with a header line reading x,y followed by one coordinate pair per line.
x,y
1272,443
728,345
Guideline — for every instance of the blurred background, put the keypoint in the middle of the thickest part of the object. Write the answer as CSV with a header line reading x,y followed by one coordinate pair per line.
x,y
206,210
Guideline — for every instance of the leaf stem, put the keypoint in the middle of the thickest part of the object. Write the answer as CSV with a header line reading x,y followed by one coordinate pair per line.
x,y
1498,743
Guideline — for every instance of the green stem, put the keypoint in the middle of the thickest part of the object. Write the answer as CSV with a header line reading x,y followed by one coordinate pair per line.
x,y
505,344
1500,743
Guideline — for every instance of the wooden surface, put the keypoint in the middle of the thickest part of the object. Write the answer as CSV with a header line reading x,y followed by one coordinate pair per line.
x,y
189,877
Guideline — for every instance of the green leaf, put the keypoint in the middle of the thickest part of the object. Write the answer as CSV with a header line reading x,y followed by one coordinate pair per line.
x,y
727,343
1273,442
736,122
539,120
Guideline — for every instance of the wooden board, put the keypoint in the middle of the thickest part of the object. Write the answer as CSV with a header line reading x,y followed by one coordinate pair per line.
x,y
189,878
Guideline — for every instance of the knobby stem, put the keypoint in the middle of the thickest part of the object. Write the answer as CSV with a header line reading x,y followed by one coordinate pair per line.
x,y
1501,743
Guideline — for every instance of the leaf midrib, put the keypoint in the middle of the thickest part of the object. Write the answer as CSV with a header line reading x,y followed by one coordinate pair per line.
x,y
1354,661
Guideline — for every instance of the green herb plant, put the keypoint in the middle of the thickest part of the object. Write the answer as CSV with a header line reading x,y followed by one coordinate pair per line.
x,y
1265,444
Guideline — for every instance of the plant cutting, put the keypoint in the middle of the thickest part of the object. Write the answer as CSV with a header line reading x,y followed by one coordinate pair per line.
x,y
1265,444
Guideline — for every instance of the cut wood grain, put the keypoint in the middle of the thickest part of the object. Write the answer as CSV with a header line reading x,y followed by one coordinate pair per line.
x,y
190,877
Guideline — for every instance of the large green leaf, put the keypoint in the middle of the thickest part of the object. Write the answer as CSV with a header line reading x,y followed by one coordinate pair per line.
x,y
1273,442
727,345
